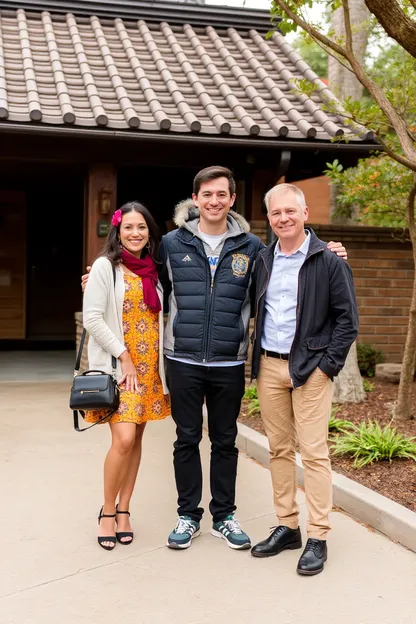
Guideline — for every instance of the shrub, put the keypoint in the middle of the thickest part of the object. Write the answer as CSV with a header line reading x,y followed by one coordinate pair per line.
x,y
367,358
368,443
338,425
368,386
253,405
250,393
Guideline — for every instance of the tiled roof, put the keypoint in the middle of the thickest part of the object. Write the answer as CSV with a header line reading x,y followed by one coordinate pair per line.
x,y
128,75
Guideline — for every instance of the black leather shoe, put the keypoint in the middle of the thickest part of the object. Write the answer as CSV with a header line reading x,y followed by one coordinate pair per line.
x,y
282,538
313,557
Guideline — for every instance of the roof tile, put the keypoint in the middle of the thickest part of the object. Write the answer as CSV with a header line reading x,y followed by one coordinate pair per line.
x,y
125,74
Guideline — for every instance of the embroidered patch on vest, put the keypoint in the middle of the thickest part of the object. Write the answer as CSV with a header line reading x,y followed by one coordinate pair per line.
x,y
240,264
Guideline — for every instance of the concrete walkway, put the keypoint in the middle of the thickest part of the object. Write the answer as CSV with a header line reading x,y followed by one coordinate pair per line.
x,y
53,571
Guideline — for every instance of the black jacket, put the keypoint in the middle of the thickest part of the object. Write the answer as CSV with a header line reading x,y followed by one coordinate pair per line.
x,y
208,318
326,314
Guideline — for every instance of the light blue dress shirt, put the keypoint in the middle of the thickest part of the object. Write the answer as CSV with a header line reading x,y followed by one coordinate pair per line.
x,y
281,299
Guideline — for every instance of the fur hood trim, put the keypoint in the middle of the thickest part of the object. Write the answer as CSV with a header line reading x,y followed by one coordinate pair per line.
x,y
187,211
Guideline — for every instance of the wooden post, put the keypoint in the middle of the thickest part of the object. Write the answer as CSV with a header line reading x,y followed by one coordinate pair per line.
x,y
101,203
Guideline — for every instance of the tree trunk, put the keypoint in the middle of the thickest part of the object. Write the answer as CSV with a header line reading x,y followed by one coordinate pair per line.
x,y
403,407
395,22
341,81
348,386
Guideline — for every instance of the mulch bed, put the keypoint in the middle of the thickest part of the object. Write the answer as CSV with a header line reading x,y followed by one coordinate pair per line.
x,y
396,479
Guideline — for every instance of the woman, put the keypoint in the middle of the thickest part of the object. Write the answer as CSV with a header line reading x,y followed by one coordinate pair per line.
x,y
123,315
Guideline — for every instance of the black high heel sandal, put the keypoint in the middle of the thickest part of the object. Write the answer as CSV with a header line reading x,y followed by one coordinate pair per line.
x,y
121,534
109,538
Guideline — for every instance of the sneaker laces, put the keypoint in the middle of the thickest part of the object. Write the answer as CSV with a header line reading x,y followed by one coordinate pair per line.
x,y
183,526
233,525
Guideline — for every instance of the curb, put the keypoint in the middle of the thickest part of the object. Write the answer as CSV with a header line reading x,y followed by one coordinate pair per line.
x,y
393,520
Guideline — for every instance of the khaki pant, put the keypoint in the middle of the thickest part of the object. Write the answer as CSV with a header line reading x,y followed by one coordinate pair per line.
x,y
303,412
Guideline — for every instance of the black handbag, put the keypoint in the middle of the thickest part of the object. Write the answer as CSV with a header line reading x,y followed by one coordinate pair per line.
x,y
93,389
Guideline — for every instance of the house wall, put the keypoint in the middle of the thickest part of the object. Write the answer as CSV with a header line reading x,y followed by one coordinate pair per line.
x,y
316,190
382,264
317,194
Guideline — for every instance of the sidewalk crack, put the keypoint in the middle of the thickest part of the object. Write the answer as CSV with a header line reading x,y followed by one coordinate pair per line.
x,y
80,571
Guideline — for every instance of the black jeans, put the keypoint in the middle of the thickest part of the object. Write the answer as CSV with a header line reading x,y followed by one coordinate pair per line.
x,y
223,389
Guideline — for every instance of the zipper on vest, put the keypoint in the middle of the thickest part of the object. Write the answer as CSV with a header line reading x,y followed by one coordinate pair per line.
x,y
210,290
211,293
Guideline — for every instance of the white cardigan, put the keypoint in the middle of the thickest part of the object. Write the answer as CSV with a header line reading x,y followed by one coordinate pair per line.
x,y
102,315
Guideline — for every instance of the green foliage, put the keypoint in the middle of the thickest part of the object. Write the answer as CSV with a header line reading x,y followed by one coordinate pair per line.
x,y
253,405
334,168
338,425
251,392
391,68
368,386
378,187
312,54
298,7
368,443
303,86
367,358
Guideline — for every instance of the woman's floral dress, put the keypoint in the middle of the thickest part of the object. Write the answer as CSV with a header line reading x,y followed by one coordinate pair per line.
x,y
141,337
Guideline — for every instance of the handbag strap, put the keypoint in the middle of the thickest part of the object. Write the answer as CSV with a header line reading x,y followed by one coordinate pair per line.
x,y
84,333
76,419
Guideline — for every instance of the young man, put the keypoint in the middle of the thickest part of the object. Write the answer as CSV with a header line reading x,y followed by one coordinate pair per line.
x,y
208,264
306,322
207,280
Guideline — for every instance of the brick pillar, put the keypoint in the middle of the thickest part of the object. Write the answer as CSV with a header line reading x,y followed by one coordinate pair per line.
x,y
101,194
101,203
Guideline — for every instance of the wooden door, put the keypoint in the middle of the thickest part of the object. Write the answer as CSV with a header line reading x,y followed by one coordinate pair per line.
x,y
12,265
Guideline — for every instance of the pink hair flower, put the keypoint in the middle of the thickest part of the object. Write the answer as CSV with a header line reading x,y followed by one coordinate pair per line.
x,y
116,218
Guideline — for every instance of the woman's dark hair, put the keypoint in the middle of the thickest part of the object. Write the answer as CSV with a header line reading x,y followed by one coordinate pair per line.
x,y
112,248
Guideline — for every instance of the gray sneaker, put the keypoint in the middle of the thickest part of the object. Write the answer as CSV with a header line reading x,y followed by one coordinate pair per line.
x,y
230,530
185,530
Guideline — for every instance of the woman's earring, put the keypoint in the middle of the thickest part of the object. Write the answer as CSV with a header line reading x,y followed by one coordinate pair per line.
x,y
148,244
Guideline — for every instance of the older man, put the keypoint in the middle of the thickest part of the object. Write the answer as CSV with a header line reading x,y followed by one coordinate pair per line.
x,y
305,324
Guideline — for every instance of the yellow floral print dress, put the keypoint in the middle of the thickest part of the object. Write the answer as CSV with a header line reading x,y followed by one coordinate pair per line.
x,y
141,337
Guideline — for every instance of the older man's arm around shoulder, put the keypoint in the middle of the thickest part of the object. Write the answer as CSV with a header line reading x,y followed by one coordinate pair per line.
x,y
343,308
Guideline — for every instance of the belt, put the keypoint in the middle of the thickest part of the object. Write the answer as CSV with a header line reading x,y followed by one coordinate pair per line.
x,y
273,354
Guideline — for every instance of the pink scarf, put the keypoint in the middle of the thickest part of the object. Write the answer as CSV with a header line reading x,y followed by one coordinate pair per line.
x,y
146,269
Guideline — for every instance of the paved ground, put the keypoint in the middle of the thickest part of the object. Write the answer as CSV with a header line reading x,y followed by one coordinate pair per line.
x,y
36,365
52,569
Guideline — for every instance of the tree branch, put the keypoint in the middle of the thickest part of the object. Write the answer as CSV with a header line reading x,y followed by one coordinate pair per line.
x,y
411,212
330,53
395,156
311,30
348,30
395,22
378,94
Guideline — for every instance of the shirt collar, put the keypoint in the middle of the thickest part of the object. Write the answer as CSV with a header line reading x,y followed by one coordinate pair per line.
x,y
303,249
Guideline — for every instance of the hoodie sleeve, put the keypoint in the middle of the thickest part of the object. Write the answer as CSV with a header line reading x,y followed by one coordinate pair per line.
x,y
164,275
